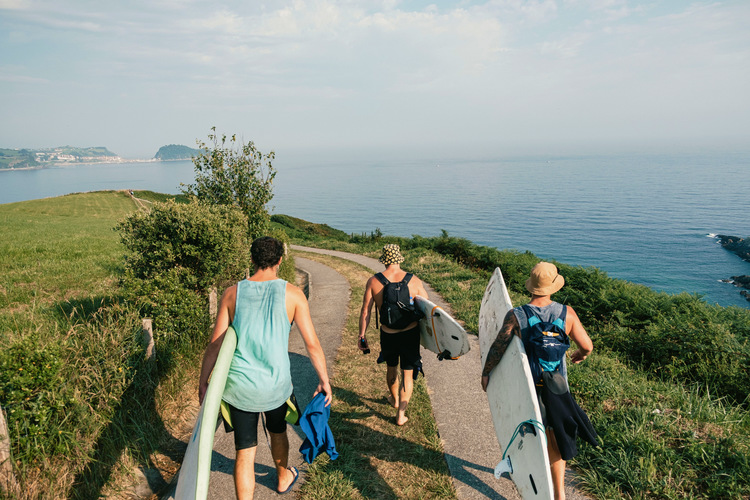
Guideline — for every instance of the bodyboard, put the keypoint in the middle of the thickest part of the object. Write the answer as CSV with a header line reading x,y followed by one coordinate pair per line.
x,y
192,483
512,398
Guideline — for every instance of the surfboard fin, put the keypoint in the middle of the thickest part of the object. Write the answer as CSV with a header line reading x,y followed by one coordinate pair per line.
x,y
445,354
504,466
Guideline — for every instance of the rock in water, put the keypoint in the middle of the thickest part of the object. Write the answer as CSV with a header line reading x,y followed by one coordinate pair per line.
x,y
740,246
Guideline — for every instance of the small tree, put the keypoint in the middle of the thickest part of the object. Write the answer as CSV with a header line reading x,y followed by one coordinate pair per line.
x,y
237,174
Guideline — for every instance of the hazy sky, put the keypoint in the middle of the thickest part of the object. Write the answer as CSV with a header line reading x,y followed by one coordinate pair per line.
x,y
430,78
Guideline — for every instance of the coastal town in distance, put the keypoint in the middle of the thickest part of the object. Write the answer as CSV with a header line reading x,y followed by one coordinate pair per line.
x,y
16,159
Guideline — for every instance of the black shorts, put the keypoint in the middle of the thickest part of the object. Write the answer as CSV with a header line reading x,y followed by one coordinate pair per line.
x,y
403,346
245,424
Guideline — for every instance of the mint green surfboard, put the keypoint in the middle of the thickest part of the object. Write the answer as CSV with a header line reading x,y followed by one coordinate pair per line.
x,y
192,483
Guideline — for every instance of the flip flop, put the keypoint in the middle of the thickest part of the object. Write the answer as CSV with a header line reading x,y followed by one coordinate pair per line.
x,y
296,475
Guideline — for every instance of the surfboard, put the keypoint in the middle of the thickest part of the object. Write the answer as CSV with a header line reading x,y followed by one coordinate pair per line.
x,y
439,332
513,402
192,483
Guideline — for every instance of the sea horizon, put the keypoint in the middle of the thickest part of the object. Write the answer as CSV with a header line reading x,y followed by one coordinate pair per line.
x,y
643,218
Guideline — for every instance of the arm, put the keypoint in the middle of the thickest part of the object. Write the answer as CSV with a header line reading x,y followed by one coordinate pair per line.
x,y
217,338
421,291
312,343
366,312
580,337
497,349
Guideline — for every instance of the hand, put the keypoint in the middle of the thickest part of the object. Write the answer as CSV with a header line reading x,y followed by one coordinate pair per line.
x,y
577,357
361,345
325,388
485,382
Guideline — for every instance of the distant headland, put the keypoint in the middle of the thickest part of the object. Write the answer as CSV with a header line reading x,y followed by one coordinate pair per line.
x,y
741,247
176,152
25,159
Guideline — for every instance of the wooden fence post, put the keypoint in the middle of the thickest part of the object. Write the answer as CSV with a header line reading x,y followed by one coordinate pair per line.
x,y
148,339
213,306
8,483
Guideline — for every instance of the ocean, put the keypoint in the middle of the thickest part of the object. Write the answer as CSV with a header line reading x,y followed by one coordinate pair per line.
x,y
649,219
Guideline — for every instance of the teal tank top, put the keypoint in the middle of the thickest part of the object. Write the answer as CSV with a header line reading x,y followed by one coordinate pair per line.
x,y
260,376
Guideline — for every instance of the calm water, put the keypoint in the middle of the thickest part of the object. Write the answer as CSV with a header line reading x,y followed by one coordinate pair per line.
x,y
641,218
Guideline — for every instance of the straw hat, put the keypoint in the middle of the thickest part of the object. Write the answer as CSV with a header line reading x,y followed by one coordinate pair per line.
x,y
544,279
391,255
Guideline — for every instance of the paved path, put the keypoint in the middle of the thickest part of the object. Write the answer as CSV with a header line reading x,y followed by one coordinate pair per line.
x,y
462,413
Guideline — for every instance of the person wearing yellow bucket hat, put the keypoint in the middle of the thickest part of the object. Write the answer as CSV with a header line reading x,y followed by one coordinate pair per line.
x,y
556,323
392,292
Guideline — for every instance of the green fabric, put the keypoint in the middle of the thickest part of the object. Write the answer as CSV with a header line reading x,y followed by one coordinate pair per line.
x,y
260,377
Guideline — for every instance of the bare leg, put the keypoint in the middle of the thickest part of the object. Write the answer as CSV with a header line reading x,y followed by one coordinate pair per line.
x,y
244,473
557,466
407,386
280,454
391,379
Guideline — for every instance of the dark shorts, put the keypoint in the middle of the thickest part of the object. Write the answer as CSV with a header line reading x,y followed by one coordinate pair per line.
x,y
403,346
245,424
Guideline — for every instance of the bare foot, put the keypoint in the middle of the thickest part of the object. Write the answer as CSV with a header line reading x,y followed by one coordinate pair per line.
x,y
401,420
392,401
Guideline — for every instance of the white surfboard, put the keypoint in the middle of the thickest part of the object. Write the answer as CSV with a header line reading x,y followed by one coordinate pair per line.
x,y
192,483
513,402
439,332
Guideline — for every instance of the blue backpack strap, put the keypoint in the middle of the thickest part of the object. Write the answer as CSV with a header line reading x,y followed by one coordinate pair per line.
x,y
530,316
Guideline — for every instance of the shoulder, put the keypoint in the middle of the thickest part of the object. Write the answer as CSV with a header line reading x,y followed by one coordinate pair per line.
x,y
294,292
373,281
230,293
571,312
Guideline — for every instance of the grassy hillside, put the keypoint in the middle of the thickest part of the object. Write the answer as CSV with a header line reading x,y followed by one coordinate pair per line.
x,y
666,387
71,373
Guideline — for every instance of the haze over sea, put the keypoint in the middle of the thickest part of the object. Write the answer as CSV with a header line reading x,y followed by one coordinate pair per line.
x,y
643,218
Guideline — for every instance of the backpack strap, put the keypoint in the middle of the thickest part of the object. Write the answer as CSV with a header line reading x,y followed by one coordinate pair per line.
x,y
382,279
533,319
530,315
408,278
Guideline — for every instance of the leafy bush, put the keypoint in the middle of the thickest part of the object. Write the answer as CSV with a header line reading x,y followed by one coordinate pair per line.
x,y
208,240
36,402
180,313
235,174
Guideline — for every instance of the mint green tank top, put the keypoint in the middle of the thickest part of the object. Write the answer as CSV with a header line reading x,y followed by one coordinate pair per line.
x,y
260,377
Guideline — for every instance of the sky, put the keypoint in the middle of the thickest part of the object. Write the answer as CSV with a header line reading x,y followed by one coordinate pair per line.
x,y
414,78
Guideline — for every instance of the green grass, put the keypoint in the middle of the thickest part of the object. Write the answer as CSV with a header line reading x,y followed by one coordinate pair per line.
x,y
79,398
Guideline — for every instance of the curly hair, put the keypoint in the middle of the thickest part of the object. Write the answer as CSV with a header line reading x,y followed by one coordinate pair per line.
x,y
266,252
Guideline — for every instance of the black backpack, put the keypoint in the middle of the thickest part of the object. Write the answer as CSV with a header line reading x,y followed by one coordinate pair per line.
x,y
546,343
397,311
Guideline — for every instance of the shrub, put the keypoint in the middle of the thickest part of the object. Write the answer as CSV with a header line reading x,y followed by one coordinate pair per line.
x,y
235,174
208,240
180,313
36,402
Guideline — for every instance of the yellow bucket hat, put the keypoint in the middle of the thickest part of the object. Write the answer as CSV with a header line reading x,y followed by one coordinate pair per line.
x,y
391,255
